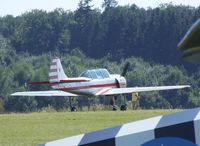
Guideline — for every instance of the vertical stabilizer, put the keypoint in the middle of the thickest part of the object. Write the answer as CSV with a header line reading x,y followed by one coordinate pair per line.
x,y
56,72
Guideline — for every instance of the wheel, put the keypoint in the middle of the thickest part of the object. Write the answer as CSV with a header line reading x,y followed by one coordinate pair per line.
x,y
73,109
123,107
114,108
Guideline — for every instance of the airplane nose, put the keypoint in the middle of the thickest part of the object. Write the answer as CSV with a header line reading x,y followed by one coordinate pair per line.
x,y
122,82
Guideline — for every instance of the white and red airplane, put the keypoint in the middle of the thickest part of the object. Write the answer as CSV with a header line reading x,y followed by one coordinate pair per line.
x,y
96,82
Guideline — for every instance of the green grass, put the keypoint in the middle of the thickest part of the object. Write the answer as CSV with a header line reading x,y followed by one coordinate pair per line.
x,y
37,128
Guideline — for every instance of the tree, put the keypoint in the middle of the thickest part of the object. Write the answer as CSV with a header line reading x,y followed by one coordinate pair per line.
x,y
84,5
109,3
7,53
21,104
84,32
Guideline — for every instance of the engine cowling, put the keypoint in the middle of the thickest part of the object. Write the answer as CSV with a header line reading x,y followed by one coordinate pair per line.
x,y
121,82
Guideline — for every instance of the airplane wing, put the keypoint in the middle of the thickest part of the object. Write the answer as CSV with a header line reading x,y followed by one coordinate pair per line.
x,y
114,91
43,93
106,91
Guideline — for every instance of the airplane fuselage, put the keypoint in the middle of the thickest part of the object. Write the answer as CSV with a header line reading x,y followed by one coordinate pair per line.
x,y
92,87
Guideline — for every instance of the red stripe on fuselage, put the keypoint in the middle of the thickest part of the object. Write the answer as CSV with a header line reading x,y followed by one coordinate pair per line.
x,y
72,81
104,92
90,86
39,83
53,70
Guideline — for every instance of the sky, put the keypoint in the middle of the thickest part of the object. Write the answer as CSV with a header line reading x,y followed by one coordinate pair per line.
x,y
17,7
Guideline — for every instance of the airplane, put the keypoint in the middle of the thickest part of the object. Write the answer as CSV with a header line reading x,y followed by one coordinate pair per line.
x,y
95,82
190,45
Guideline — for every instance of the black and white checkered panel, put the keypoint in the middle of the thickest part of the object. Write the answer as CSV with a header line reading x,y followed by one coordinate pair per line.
x,y
137,132
197,128
179,125
185,125
70,141
105,137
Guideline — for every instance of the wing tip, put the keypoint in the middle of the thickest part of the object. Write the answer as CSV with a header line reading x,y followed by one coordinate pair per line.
x,y
186,86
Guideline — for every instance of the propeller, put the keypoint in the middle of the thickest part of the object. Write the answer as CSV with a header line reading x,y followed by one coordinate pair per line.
x,y
126,67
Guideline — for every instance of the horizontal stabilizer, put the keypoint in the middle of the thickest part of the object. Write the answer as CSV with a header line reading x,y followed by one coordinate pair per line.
x,y
40,83
69,80
43,93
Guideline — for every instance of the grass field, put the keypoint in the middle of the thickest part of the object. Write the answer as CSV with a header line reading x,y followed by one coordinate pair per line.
x,y
37,128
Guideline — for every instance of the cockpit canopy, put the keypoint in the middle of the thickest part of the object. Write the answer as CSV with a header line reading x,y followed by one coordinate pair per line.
x,y
96,74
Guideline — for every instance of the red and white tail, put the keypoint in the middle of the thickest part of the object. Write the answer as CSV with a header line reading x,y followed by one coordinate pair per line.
x,y
56,72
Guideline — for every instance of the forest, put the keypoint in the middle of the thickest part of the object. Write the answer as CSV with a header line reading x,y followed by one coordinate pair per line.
x,y
91,38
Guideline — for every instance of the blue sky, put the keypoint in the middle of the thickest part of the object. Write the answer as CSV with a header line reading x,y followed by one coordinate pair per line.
x,y
17,7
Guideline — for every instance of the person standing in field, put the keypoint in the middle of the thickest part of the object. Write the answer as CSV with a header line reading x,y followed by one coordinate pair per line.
x,y
135,101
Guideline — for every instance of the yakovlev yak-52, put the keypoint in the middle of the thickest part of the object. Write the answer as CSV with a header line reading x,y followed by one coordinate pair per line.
x,y
96,82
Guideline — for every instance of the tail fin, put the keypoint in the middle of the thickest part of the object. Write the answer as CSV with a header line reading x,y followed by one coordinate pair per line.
x,y
56,72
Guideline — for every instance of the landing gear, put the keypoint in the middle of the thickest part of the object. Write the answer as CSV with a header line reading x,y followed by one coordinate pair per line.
x,y
72,108
124,106
114,106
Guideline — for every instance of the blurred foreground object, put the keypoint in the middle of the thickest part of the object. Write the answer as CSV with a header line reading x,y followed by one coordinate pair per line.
x,y
190,44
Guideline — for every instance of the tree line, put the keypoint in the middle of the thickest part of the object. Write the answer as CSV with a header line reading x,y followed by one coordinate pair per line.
x,y
118,31
19,70
91,38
